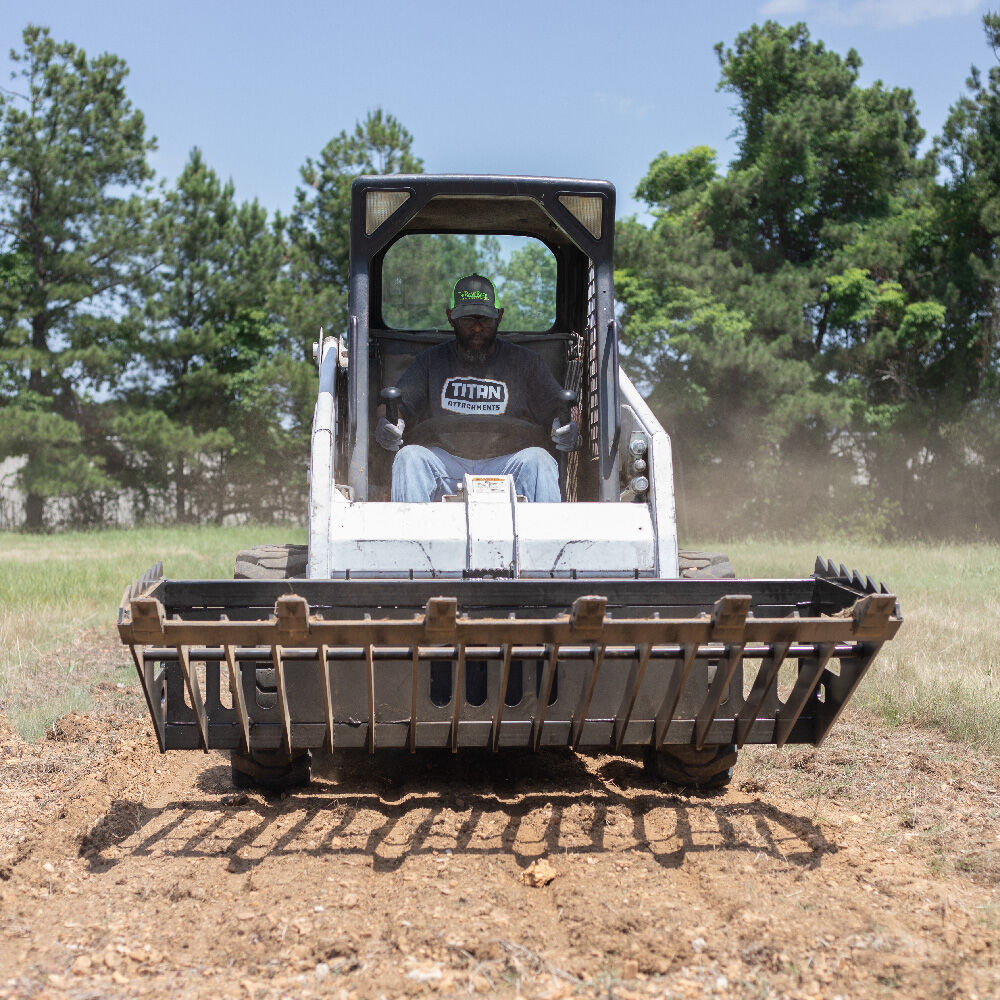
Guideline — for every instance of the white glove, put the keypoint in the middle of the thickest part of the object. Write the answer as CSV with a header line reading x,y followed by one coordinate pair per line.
x,y
567,437
390,436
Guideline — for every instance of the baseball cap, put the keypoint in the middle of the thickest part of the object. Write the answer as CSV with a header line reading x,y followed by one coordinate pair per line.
x,y
474,295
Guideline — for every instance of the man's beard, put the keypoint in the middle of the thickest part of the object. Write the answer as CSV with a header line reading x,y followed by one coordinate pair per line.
x,y
470,354
476,355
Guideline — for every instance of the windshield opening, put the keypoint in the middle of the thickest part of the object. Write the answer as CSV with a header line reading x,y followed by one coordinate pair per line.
x,y
420,270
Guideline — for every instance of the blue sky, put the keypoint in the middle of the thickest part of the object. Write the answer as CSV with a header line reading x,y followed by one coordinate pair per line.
x,y
575,89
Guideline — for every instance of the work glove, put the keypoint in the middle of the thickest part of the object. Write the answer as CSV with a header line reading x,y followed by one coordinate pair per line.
x,y
390,436
567,437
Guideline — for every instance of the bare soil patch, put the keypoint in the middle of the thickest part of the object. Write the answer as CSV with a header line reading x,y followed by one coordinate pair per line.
x,y
867,868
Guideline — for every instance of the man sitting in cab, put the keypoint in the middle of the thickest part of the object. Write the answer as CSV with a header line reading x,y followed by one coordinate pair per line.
x,y
476,405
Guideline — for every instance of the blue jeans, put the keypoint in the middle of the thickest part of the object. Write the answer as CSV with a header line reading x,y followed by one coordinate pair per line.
x,y
420,474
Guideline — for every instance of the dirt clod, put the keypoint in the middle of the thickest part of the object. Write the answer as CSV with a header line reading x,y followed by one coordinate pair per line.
x,y
539,873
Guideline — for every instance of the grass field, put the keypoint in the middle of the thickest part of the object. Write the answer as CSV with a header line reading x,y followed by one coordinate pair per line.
x,y
943,670
55,588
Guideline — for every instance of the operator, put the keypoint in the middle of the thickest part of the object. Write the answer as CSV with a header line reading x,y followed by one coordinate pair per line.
x,y
476,405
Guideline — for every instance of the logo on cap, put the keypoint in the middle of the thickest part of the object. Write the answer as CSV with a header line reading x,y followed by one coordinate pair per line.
x,y
474,295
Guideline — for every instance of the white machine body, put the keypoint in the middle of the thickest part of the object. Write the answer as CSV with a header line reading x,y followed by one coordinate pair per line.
x,y
486,530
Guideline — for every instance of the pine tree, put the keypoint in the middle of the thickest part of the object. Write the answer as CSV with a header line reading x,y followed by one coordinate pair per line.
x,y
72,244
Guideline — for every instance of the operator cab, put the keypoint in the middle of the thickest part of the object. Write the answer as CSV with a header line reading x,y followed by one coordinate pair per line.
x,y
549,241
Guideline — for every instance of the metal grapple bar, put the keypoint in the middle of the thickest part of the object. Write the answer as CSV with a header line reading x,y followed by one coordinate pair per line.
x,y
593,664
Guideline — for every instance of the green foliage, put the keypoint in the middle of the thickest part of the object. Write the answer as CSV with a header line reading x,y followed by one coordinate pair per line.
x,y
818,319
419,274
72,237
526,287
317,279
214,400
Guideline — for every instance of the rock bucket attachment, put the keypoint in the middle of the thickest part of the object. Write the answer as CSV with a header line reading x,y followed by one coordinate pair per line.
x,y
597,665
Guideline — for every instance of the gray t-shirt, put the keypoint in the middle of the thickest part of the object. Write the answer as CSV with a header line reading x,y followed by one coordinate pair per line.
x,y
469,408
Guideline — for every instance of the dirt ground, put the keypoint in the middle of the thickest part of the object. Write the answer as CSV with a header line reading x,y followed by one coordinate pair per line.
x,y
867,868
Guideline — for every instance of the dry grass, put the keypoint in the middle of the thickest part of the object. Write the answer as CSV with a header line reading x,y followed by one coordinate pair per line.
x,y
943,668
59,596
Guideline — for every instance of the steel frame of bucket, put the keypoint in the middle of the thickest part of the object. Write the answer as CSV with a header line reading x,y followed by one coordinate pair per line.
x,y
728,636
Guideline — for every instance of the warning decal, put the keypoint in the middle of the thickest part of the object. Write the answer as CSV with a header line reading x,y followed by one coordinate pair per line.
x,y
463,394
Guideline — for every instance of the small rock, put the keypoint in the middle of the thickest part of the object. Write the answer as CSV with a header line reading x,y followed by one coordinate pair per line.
x,y
425,974
351,899
317,909
49,867
722,983
698,945
81,965
538,873
245,915
322,970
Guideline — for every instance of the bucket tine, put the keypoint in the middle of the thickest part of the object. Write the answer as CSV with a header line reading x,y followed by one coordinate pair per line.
x,y
632,685
457,696
498,714
767,677
184,658
723,676
146,680
543,696
277,657
370,674
839,689
586,693
675,688
236,686
413,699
809,673
322,655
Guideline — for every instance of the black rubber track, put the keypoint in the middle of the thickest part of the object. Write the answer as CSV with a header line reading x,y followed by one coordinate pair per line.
x,y
272,562
705,565
710,767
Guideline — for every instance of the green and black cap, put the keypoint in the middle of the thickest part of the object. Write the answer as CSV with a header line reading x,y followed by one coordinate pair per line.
x,y
474,295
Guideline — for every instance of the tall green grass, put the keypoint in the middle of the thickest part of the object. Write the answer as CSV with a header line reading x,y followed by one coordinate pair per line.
x,y
55,589
943,669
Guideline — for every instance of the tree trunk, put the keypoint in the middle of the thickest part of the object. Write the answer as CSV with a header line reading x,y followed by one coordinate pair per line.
x,y
180,495
34,510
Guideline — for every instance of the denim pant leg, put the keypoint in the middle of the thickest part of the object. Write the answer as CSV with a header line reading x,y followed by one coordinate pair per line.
x,y
422,474
535,472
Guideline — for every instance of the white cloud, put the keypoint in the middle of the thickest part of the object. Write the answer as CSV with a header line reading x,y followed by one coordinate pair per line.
x,y
875,13
624,107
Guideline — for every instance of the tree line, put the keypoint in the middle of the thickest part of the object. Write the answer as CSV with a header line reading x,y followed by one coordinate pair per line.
x,y
816,323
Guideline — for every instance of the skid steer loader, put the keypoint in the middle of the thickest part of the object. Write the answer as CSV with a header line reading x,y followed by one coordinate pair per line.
x,y
482,620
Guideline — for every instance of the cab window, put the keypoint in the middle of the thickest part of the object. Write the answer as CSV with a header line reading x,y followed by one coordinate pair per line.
x,y
420,270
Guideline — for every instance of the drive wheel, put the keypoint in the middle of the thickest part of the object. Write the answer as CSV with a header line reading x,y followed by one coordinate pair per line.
x,y
271,770
272,562
705,566
710,767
